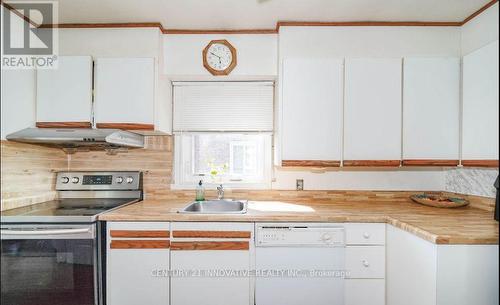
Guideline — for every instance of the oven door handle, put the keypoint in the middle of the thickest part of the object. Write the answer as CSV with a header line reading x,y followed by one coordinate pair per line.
x,y
45,232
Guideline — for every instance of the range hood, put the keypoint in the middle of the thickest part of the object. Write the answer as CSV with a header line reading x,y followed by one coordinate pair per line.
x,y
79,137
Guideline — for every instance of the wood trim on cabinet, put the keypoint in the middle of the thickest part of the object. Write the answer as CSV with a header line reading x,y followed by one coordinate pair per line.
x,y
372,163
126,126
139,233
63,124
433,162
209,245
310,163
211,234
139,244
480,163
479,11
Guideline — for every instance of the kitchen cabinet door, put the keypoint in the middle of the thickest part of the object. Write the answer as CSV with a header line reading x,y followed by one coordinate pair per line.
x,y
372,119
364,291
124,93
311,102
480,107
211,254
138,263
423,273
18,100
64,94
431,111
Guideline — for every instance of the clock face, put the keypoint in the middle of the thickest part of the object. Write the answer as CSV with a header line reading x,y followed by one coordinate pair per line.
x,y
219,56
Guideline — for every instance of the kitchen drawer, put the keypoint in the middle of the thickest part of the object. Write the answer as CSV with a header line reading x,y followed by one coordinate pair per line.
x,y
365,233
363,292
220,231
365,262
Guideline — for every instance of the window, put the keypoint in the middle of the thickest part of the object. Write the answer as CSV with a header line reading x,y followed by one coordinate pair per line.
x,y
235,159
223,133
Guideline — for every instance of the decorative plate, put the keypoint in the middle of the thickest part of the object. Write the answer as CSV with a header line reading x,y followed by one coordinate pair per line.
x,y
439,201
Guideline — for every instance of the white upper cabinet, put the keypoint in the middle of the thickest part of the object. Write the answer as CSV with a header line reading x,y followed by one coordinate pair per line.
x,y
480,104
64,94
372,121
311,101
124,92
431,111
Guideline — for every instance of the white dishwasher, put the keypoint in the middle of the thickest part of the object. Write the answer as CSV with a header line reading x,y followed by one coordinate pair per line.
x,y
299,264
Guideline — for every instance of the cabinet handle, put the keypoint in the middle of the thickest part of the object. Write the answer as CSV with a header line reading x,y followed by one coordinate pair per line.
x,y
139,233
211,234
139,244
366,235
365,263
209,245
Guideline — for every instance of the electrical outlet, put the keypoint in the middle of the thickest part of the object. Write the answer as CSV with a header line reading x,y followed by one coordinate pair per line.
x,y
299,184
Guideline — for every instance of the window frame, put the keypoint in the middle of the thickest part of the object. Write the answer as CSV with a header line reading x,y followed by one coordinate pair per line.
x,y
184,160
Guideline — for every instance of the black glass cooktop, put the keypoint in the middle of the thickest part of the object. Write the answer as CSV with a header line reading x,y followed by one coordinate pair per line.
x,y
64,210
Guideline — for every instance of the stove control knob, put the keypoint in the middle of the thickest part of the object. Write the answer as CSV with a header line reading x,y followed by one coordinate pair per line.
x,y
64,180
75,180
119,180
130,180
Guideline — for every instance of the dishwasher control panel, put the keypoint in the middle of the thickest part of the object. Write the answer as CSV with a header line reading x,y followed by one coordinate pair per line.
x,y
272,236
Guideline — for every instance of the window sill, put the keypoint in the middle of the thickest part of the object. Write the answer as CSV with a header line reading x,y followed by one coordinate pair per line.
x,y
227,186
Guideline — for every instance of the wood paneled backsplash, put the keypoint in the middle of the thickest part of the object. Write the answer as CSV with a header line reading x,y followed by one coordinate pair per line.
x,y
155,161
28,173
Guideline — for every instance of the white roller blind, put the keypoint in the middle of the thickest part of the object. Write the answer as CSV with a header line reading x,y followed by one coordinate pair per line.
x,y
223,106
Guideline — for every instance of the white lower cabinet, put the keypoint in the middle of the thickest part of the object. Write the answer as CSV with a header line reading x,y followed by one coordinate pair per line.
x,y
206,263
137,263
423,273
206,259
364,292
365,264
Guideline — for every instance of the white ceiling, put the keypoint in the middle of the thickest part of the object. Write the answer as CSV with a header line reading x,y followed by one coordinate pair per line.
x,y
248,14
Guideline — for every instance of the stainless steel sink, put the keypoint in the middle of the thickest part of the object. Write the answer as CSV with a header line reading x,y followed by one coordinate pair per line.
x,y
216,207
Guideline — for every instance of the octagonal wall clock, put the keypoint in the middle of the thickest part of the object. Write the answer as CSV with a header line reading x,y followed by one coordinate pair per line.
x,y
219,57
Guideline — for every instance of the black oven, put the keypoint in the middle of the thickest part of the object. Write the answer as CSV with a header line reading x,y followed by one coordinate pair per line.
x,y
50,264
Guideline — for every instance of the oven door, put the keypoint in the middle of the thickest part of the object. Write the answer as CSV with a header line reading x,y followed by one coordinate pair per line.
x,y
49,264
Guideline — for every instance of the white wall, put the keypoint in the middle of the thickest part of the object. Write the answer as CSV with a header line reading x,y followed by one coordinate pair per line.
x,y
256,55
480,31
18,90
115,42
359,179
351,42
368,41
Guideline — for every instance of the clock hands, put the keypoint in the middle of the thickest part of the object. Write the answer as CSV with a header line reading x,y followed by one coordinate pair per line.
x,y
220,62
215,55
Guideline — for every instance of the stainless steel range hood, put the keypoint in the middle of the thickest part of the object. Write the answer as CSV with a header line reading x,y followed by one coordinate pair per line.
x,y
79,137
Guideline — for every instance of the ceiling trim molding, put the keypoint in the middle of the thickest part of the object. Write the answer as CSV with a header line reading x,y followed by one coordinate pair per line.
x,y
479,11
240,31
16,12
104,25
367,23
251,31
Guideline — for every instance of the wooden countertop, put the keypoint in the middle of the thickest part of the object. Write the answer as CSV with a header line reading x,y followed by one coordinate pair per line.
x,y
467,225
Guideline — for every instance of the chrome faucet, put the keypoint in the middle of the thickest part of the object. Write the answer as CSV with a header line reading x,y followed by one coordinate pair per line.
x,y
220,192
